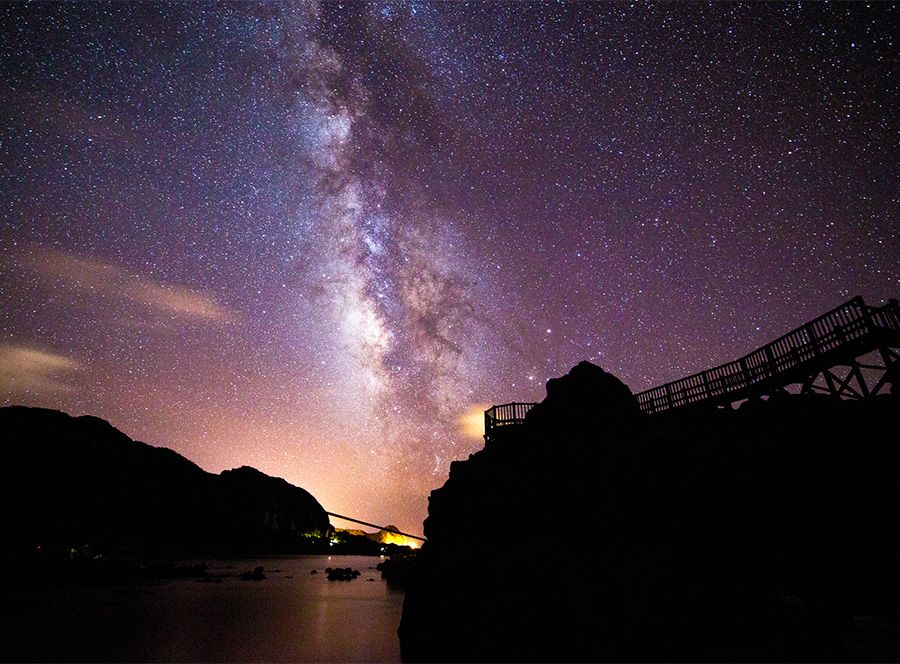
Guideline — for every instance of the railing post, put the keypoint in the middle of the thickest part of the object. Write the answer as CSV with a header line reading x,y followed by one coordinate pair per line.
x,y
770,357
865,316
745,373
892,314
813,338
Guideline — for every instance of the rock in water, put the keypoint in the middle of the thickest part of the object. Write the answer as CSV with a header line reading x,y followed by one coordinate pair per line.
x,y
257,574
342,574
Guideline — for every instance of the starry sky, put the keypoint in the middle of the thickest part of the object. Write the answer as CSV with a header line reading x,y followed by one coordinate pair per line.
x,y
320,238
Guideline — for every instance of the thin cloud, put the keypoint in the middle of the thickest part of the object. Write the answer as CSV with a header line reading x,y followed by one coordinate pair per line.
x,y
106,279
30,370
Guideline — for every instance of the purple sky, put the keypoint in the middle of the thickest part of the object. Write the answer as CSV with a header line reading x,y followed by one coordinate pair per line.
x,y
319,239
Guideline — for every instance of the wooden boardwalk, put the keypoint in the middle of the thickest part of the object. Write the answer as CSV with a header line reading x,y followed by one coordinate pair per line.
x,y
825,355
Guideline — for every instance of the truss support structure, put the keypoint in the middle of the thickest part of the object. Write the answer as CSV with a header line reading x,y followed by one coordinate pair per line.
x,y
855,379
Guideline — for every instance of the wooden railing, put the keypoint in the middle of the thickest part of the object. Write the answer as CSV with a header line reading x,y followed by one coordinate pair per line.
x,y
850,329
504,415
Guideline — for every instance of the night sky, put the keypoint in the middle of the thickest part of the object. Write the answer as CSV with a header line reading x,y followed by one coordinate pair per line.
x,y
319,239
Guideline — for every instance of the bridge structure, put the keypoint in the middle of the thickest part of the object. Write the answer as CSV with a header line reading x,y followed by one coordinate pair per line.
x,y
852,351
386,529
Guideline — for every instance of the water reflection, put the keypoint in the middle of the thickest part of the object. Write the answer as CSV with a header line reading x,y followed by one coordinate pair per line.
x,y
290,616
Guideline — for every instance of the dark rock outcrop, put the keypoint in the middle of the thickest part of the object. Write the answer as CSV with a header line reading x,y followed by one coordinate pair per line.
x,y
256,574
397,569
594,532
70,481
341,573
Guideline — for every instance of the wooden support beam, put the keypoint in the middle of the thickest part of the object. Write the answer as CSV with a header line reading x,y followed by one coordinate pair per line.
x,y
861,381
880,383
829,380
809,385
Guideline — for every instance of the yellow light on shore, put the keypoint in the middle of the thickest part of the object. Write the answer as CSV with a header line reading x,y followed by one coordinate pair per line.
x,y
399,540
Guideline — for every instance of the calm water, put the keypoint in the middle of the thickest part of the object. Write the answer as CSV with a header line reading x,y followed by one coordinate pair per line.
x,y
290,616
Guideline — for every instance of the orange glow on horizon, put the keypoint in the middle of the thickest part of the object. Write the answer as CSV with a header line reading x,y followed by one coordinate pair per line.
x,y
471,421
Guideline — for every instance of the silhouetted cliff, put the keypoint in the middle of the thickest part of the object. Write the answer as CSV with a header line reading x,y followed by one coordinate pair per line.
x,y
70,481
594,532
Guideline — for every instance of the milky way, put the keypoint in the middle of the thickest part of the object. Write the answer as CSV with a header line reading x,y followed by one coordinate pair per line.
x,y
319,238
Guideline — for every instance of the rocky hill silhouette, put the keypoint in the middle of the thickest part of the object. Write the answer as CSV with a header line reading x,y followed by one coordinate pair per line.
x,y
75,481
594,532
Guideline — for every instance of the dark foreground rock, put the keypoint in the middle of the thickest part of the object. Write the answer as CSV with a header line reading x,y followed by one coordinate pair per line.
x,y
594,532
398,569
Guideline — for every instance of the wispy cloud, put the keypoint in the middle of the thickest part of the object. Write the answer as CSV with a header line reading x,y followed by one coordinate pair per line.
x,y
30,370
106,279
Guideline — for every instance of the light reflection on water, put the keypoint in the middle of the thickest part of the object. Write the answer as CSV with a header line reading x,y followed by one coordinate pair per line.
x,y
292,615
